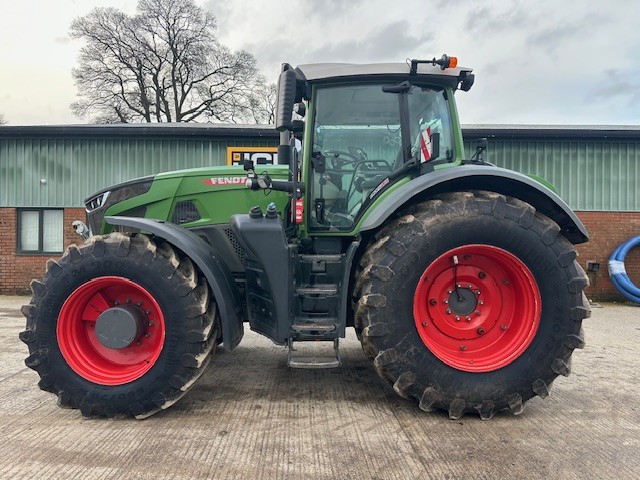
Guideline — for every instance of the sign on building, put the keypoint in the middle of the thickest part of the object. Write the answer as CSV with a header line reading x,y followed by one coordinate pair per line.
x,y
258,155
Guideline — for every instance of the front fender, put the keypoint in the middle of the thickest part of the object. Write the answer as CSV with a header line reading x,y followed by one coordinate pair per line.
x,y
478,177
202,254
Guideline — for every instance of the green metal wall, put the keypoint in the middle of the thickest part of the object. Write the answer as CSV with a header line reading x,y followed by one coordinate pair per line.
x,y
593,169
589,174
75,168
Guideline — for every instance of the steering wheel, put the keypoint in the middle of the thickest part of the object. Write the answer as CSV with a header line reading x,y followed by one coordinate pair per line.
x,y
335,155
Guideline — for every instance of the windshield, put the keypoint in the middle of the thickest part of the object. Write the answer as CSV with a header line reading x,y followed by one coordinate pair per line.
x,y
357,144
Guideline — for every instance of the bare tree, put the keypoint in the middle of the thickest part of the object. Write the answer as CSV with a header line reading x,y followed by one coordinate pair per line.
x,y
2,120
262,103
163,64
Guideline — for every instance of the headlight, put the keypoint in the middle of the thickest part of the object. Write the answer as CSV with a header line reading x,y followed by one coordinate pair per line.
x,y
97,203
93,203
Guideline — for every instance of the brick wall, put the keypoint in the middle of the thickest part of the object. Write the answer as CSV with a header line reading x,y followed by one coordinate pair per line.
x,y
17,270
608,230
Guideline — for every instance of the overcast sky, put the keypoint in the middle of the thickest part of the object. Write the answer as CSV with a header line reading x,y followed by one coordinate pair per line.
x,y
536,62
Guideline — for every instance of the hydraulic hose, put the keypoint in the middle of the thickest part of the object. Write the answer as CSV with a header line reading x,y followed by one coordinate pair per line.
x,y
618,272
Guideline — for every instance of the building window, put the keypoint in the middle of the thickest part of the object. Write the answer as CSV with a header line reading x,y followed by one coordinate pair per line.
x,y
40,230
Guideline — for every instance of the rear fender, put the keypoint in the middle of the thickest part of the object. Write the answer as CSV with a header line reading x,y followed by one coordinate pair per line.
x,y
476,177
202,254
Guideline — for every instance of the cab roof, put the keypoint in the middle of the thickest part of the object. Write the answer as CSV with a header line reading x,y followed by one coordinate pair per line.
x,y
327,72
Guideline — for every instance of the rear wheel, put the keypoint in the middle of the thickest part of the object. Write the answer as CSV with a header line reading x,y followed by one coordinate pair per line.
x,y
471,302
120,326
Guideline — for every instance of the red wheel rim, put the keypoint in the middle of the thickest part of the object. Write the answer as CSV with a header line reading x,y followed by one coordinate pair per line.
x,y
82,349
477,308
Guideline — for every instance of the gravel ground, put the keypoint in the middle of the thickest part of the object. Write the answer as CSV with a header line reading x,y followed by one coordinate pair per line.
x,y
250,417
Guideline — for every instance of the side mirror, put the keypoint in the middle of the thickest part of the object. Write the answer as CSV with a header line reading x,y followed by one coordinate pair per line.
x,y
286,98
300,109
481,146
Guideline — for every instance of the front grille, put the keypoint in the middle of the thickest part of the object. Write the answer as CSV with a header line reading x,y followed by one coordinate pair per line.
x,y
185,212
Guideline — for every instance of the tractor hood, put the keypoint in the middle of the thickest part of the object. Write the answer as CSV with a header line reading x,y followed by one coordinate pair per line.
x,y
194,197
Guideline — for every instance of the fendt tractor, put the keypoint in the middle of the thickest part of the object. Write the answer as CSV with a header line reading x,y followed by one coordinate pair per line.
x,y
460,278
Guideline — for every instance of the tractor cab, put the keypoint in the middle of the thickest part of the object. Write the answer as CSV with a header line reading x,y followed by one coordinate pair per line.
x,y
364,135
366,128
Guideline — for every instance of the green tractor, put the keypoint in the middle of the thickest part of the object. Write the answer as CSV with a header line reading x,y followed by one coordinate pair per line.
x,y
459,278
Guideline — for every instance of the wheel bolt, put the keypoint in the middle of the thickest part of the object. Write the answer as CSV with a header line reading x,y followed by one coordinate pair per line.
x,y
116,302
480,302
148,312
468,318
478,292
480,330
449,292
469,285
138,343
457,318
151,324
503,327
477,312
147,334
459,286
445,301
433,301
139,304
448,311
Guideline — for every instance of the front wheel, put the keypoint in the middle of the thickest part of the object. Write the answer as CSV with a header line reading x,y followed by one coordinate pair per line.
x,y
120,326
471,302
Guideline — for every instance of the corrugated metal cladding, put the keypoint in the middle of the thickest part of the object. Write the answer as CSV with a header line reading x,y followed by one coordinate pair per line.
x,y
61,169
593,168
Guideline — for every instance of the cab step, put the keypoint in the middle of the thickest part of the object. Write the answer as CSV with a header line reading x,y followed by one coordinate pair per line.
x,y
313,361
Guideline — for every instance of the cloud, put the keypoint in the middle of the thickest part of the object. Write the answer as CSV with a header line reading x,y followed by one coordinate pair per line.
x,y
440,4
334,6
62,40
616,83
486,21
387,43
550,38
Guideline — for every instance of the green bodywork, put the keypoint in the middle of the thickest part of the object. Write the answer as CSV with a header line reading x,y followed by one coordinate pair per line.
x,y
216,202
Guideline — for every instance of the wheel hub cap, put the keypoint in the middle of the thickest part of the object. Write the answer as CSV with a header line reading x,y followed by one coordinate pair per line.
x,y
119,327
462,301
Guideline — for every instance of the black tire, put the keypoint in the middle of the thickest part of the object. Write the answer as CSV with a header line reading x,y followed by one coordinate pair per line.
x,y
183,297
402,251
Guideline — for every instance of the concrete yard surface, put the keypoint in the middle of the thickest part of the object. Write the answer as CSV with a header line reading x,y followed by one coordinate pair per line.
x,y
251,417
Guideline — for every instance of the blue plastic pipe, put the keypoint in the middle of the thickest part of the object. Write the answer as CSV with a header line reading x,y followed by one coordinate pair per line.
x,y
618,273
